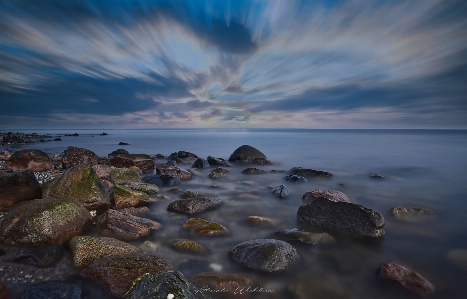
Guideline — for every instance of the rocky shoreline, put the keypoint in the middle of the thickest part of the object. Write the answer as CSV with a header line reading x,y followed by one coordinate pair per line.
x,y
68,221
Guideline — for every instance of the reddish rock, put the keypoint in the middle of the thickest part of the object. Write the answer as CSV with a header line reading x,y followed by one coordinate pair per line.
x,y
142,161
193,205
117,273
102,171
34,160
332,195
74,156
408,279
18,187
183,175
135,211
223,285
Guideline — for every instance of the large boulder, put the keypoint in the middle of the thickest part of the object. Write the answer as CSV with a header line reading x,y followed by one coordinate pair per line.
x,y
266,255
182,174
307,172
18,187
201,227
344,218
246,153
32,159
81,185
74,156
43,222
193,205
124,176
142,161
54,290
332,195
410,280
118,272
126,198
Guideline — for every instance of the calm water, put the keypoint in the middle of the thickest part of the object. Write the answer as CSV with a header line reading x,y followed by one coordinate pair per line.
x,y
422,168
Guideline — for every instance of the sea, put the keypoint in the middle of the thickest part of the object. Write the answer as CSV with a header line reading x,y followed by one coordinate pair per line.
x,y
419,168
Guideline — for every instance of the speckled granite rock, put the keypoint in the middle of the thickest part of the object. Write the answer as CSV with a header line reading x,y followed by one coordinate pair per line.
x,y
182,174
74,156
188,246
142,187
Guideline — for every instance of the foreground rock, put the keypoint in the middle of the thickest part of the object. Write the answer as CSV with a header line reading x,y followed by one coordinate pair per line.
x,y
201,227
304,236
219,173
81,185
344,218
54,290
124,176
74,156
246,153
125,226
31,159
188,246
281,191
410,280
227,284
42,257
142,161
117,273
126,198
406,213
162,180
332,195
193,205
18,187
217,162
86,249
308,173
150,286
43,222
182,174
266,255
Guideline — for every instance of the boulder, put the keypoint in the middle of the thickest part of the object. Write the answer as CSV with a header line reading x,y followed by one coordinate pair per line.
x,y
246,153
308,173
103,171
403,213
42,257
142,187
142,161
162,180
54,290
124,226
183,156
218,162
344,218
34,160
118,272
85,249
410,280
266,255
193,205
43,222
125,198
332,195
188,246
201,227
124,176
18,187
200,163
281,191
218,173
227,284
182,174
81,185
304,236
252,170
295,178
74,156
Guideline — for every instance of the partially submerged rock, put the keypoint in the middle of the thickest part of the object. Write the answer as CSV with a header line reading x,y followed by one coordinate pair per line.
x,y
304,236
200,163
31,159
228,284
188,246
405,213
252,170
183,155
18,187
124,176
201,227
74,156
258,220
308,172
182,174
142,161
193,205
410,280
332,195
125,198
218,173
246,153
295,178
281,191
217,162
162,180
117,152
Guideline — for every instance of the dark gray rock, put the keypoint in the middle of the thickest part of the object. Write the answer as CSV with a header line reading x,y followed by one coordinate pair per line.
x,y
246,153
18,187
295,178
183,156
307,172
304,236
219,173
55,290
43,257
193,205
281,191
333,195
162,180
217,162
200,163
252,170
118,152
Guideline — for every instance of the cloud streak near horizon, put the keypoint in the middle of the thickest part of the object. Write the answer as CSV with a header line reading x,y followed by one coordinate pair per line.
x,y
307,64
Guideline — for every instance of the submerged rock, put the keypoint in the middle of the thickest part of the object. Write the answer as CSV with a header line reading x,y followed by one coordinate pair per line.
x,y
124,176
281,191
125,198
54,290
200,163
74,156
188,246
227,284
295,178
344,218
43,257
182,174
31,159
162,180
246,153
307,172
218,161
18,187
332,195
193,205
304,236
201,227
410,280
218,173
402,213
252,170
266,255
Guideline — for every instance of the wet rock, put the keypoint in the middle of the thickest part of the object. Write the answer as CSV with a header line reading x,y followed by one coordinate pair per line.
x,y
188,246
408,279
257,220
18,187
252,170
74,156
117,273
123,143
329,194
246,153
304,236
142,161
201,227
183,156
200,163
115,153
344,218
401,213
218,173
81,185
140,211
226,284
124,176
193,205
218,162
162,180
125,226
86,249
160,156
102,171
281,191
142,187
4,292
262,161
308,173
43,222
182,174
34,160
150,286
4,155
191,194
54,290
125,198
266,255
43,257
295,178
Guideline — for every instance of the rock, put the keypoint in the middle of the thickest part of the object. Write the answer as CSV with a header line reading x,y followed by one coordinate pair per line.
x,y
345,218
57,139
183,155
281,191
142,187
142,161
103,134
102,171
124,176
137,170
2,252
182,174
304,236
123,143
43,257
160,156
266,255
257,220
125,198
118,272
308,173
125,226
175,190
162,180
18,187
227,284
106,184
218,173
191,194
4,292
295,178
188,246
253,171
81,185
140,211
262,161
103,161
74,156
200,163
218,161
410,280
194,172
246,153
377,176
54,290
115,153
43,222
401,213
193,205
34,160
4,155
86,249
332,195
150,286
201,227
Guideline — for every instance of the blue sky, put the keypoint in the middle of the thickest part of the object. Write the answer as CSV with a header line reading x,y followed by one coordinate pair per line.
x,y
233,64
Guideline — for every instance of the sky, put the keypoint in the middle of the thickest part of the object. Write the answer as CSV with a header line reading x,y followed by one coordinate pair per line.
x,y
233,64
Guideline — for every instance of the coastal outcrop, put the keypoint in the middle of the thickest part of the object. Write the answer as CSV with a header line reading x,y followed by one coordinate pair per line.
x,y
32,159
18,187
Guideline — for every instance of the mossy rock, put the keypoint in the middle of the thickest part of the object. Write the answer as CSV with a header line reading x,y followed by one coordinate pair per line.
x,y
201,227
125,198
188,246
124,176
